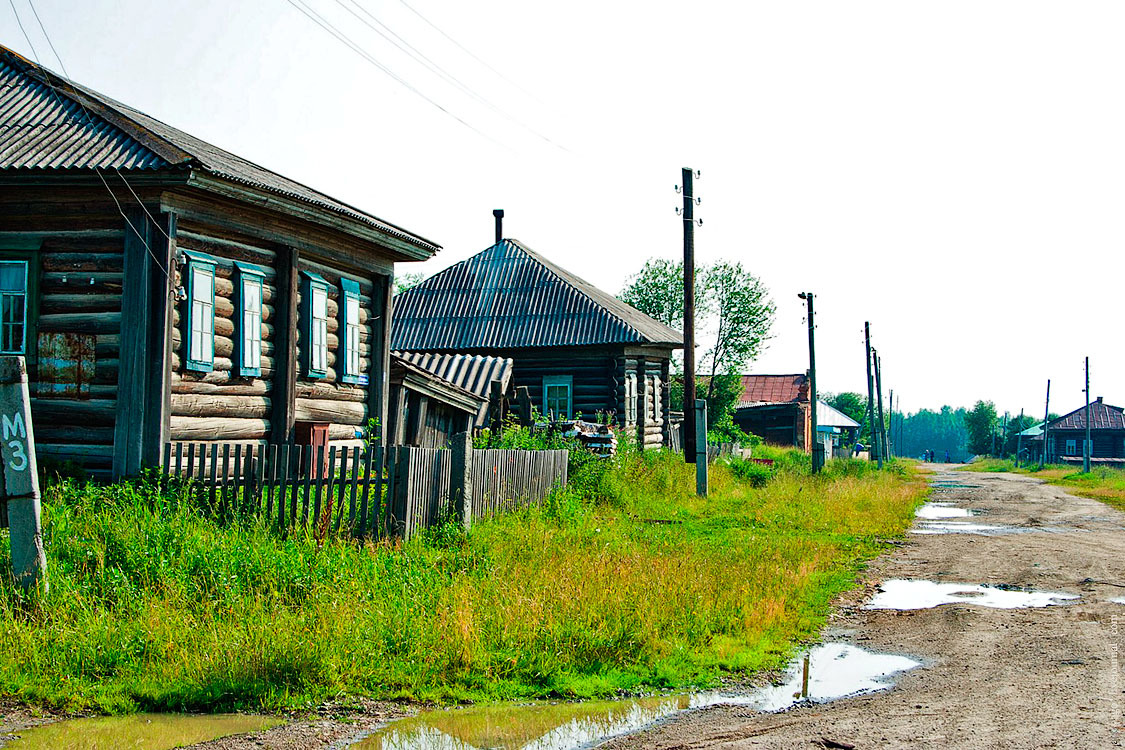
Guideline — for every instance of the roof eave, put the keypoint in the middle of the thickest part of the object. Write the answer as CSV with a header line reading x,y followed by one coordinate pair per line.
x,y
409,247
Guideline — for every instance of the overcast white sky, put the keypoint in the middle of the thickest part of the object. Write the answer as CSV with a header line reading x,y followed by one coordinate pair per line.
x,y
951,171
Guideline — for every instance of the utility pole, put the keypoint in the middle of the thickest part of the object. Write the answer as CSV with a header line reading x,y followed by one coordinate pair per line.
x,y
1019,440
688,213
873,449
1086,448
891,420
1046,415
817,446
879,414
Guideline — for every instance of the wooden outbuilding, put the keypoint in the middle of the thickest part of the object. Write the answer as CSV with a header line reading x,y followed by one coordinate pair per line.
x,y
578,350
776,408
164,289
427,410
1066,434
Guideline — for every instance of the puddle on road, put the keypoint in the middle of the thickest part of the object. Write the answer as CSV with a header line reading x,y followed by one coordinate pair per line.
x,y
137,732
932,510
835,671
901,594
1118,600
983,529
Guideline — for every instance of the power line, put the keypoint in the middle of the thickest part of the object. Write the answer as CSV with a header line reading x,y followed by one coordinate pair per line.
x,y
89,119
340,36
468,52
434,67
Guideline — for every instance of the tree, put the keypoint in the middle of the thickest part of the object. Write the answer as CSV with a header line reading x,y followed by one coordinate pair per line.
x,y
980,423
657,290
939,431
852,404
404,281
742,313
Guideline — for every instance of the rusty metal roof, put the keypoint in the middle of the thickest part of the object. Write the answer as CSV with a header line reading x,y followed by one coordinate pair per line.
x,y
1102,417
48,122
473,373
773,389
508,297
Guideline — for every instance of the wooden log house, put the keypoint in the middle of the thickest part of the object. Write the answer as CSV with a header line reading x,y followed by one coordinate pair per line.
x,y
164,289
577,349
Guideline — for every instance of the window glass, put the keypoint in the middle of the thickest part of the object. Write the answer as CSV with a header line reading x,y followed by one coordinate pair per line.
x,y
319,330
351,339
251,323
558,401
202,314
1071,449
13,306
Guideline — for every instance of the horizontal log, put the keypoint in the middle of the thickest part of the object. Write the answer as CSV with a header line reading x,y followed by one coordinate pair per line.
x,y
317,390
53,433
105,371
91,412
220,405
74,452
337,412
256,387
343,432
83,262
107,346
73,282
87,303
218,428
105,322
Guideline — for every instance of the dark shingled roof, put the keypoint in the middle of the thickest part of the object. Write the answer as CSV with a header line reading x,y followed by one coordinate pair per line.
x,y
509,296
1102,417
773,389
43,126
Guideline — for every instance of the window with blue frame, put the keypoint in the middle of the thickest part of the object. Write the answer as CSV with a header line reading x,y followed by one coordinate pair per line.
x,y
315,305
13,306
350,327
200,313
248,343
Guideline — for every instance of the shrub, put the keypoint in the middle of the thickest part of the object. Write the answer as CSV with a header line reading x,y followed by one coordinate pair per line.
x,y
756,474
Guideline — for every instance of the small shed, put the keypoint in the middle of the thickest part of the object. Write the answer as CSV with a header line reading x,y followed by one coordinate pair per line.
x,y
836,430
427,410
578,350
776,408
473,373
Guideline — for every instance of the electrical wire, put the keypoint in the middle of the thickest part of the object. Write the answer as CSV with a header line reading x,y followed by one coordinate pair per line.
x,y
434,67
89,119
340,36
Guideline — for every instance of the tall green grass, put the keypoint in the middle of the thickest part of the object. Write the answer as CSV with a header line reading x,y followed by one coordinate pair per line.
x,y
625,581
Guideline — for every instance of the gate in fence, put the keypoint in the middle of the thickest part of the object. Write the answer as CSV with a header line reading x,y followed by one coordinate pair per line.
x,y
363,492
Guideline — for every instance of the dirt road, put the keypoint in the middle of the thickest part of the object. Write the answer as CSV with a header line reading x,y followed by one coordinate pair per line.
x,y
1010,678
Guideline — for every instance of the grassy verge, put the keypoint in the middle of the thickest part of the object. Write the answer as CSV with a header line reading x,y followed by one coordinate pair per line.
x,y
1102,483
624,582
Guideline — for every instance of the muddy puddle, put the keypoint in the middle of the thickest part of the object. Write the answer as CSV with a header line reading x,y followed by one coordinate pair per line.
x,y
983,529
137,732
937,510
829,672
921,594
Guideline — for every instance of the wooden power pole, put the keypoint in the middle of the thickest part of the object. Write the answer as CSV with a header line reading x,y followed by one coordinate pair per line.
x,y
688,213
817,446
1087,449
1019,440
1046,416
879,395
873,449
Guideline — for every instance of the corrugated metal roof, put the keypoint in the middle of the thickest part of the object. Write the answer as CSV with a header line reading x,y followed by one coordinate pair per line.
x,y
41,111
509,296
829,416
773,389
473,373
1102,417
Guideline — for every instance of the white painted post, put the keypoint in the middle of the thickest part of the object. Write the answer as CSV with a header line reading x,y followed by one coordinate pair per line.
x,y
21,477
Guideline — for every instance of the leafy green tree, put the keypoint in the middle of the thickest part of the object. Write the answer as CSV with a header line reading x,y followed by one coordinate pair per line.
x,y
980,423
742,314
848,402
657,290
404,281
939,431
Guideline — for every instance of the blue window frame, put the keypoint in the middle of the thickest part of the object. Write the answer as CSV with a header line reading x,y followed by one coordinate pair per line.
x,y
314,302
13,306
248,304
200,310
350,329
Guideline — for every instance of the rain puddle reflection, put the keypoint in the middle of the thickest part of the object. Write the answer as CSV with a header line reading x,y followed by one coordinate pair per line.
x,y
934,510
828,672
138,732
920,594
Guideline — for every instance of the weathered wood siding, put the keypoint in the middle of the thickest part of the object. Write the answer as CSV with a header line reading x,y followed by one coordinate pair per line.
x,y
74,248
593,371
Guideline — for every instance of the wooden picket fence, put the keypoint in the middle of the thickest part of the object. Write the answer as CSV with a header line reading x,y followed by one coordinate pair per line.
x,y
336,489
362,492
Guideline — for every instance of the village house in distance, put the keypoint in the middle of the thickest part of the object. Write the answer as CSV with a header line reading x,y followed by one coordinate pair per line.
x,y
578,350
162,289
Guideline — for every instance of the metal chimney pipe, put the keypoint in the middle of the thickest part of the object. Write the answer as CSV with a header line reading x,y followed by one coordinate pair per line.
x,y
499,214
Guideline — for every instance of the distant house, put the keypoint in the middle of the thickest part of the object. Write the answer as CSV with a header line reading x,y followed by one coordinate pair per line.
x,y
836,430
163,289
776,409
1107,435
577,349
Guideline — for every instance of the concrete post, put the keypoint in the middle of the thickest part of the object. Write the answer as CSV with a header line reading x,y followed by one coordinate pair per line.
x,y
21,476
461,478
700,421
